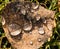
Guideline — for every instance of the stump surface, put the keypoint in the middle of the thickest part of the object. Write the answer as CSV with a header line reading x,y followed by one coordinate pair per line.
x,y
27,25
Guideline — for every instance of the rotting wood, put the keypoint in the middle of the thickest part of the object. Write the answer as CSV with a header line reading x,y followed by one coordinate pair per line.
x,y
34,22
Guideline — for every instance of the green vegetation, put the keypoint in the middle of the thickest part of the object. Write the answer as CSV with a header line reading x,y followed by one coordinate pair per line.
x,y
54,42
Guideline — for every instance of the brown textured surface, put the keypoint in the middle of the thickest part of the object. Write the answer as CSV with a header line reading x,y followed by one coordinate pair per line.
x,y
12,14
59,5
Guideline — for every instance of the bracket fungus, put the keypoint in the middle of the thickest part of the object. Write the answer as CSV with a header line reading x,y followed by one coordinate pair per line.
x,y
33,21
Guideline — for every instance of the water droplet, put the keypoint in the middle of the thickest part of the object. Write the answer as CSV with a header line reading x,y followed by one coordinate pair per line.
x,y
31,43
41,30
15,33
13,27
39,40
35,6
27,27
32,10
43,19
23,11
30,32
38,17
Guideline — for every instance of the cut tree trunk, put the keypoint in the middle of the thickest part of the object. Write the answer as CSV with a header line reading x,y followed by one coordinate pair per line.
x,y
27,25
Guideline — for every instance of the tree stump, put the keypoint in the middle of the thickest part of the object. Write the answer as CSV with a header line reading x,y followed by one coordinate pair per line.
x,y
27,25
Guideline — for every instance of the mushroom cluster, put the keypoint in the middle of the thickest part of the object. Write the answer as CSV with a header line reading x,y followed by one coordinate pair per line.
x,y
27,25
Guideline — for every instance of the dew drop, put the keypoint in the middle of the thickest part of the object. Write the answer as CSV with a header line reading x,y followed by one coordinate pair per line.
x,y
39,40
35,6
15,33
13,27
31,43
30,32
27,27
37,17
23,11
41,30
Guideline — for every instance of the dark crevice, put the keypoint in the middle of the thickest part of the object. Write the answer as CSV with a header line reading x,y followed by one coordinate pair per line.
x,y
4,41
